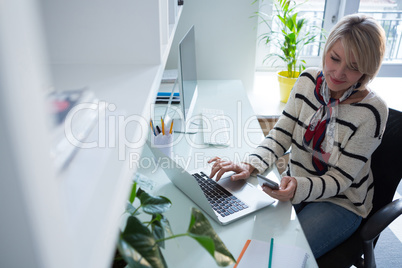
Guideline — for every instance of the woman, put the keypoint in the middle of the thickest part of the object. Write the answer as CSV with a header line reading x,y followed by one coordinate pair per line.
x,y
333,123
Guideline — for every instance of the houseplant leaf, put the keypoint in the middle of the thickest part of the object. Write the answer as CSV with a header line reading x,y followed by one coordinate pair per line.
x,y
133,193
206,242
291,35
201,230
154,204
140,238
128,255
158,230
131,209
160,225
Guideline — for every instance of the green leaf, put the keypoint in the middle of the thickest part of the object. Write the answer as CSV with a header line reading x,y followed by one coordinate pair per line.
x,y
154,204
290,23
300,24
206,242
139,237
160,225
282,19
133,192
284,4
292,38
159,233
140,192
129,255
201,229
166,225
131,209
294,33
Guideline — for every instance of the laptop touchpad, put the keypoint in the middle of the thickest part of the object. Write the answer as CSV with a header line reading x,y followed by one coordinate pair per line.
x,y
232,186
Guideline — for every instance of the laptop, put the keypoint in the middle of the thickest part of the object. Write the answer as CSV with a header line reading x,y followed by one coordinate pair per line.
x,y
225,201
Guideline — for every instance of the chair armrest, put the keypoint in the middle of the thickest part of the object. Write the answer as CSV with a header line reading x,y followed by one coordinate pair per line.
x,y
380,220
374,226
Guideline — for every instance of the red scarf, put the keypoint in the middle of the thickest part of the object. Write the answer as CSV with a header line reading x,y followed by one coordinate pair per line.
x,y
322,123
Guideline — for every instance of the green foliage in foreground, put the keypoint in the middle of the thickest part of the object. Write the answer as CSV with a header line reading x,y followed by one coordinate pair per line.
x,y
140,242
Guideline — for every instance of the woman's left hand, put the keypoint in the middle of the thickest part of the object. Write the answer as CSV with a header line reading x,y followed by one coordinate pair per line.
x,y
286,190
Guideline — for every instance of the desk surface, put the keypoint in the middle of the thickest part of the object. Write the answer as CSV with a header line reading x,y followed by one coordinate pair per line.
x,y
278,220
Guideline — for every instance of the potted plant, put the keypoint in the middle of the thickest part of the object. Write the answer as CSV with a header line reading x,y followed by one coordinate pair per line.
x,y
140,242
292,35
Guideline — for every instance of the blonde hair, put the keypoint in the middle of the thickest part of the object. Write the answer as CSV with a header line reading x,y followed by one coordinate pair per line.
x,y
364,37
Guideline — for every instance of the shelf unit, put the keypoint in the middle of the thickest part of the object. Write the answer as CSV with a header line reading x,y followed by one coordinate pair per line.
x,y
116,48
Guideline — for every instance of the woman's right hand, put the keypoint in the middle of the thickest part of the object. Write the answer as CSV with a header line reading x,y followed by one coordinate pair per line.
x,y
242,170
286,190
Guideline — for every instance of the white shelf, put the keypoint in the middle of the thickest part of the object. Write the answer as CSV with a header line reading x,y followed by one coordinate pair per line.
x,y
105,32
98,180
118,49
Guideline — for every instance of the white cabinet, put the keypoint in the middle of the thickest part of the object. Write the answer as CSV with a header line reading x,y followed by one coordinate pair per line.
x,y
116,48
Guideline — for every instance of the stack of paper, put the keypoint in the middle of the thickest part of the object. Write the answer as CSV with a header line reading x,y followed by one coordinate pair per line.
x,y
170,76
255,254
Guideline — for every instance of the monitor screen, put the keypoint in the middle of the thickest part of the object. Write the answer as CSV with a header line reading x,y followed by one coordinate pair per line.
x,y
187,74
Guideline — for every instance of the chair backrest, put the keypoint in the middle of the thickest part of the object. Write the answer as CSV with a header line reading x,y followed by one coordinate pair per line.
x,y
386,162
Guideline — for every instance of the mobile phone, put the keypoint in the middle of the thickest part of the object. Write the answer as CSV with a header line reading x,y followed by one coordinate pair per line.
x,y
270,183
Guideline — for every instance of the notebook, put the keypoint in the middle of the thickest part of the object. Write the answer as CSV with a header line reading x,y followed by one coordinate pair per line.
x,y
255,254
245,197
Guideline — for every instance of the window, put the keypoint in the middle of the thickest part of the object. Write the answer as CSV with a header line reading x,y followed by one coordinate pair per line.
x,y
387,12
390,16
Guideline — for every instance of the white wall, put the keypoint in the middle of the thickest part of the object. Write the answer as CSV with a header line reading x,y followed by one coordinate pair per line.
x,y
225,38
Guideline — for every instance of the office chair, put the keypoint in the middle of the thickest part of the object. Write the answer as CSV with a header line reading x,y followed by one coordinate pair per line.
x,y
386,166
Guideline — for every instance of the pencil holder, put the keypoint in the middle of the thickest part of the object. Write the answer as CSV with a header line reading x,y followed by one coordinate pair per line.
x,y
163,143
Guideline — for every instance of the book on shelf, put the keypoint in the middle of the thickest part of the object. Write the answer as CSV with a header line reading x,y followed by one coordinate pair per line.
x,y
74,114
256,254
165,93
164,97
170,76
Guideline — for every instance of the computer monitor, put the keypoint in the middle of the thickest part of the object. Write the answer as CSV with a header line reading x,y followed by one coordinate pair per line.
x,y
188,73
187,82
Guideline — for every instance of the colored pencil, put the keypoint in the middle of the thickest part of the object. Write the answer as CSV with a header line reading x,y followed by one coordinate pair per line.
x,y
152,127
270,253
163,126
171,127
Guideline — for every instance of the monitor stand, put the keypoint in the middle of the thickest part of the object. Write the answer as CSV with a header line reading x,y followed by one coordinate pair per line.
x,y
179,124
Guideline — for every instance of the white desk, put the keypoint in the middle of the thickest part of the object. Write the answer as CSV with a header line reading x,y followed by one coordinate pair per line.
x,y
278,220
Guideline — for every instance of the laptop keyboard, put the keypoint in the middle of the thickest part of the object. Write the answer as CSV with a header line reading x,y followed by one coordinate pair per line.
x,y
221,200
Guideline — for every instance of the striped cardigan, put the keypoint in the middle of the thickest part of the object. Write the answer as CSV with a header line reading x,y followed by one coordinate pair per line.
x,y
358,131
